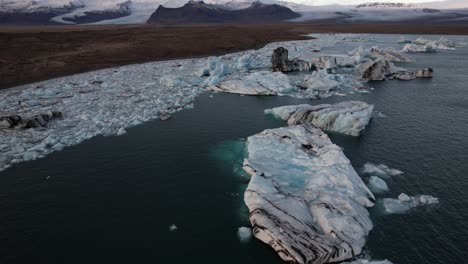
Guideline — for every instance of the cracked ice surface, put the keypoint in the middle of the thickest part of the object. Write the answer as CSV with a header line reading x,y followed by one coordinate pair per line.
x,y
304,197
349,117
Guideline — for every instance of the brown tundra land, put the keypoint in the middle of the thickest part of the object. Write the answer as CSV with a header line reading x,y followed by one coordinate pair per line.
x,y
29,54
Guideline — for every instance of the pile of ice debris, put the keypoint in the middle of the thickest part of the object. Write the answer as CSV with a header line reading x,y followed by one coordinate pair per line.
x,y
349,117
377,185
427,45
304,197
405,203
104,102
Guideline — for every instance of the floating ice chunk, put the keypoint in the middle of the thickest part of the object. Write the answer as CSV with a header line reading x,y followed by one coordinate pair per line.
x,y
403,197
258,83
377,185
244,234
379,170
379,115
422,41
365,261
405,203
304,197
350,117
121,131
417,48
402,39
173,228
378,69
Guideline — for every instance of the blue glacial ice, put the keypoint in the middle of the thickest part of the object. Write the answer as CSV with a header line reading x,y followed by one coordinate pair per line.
x,y
304,197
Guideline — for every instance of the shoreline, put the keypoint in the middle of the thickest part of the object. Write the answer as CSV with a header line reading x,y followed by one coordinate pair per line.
x,y
31,54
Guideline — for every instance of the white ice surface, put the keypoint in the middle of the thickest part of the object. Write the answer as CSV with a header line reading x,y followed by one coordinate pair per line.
x,y
380,170
377,185
304,197
349,117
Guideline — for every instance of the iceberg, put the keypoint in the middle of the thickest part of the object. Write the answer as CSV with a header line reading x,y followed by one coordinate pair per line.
x,y
377,185
350,117
378,69
417,48
381,69
405,203
379,170
388,54
407,75
304,197
258,83
280,62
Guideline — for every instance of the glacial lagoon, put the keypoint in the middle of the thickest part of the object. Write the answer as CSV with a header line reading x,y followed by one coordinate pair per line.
x,y
113,199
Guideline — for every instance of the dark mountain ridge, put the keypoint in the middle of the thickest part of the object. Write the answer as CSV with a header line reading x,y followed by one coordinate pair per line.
x,y
199,12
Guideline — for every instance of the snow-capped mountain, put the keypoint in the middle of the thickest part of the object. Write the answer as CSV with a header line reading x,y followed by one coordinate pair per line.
x,y
389,12
138,11
385,5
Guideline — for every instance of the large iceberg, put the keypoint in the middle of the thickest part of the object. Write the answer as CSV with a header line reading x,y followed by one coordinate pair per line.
x,y
350,117
304,197
258,83
405,203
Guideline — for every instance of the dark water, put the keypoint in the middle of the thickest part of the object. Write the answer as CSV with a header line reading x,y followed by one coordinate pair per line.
x,y
112,199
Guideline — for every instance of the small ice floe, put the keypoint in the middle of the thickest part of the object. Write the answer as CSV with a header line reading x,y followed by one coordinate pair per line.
x,y
365,261
379,170
121,131
173,228
165,117
377,185
406,202
378,114
244,234
402,39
